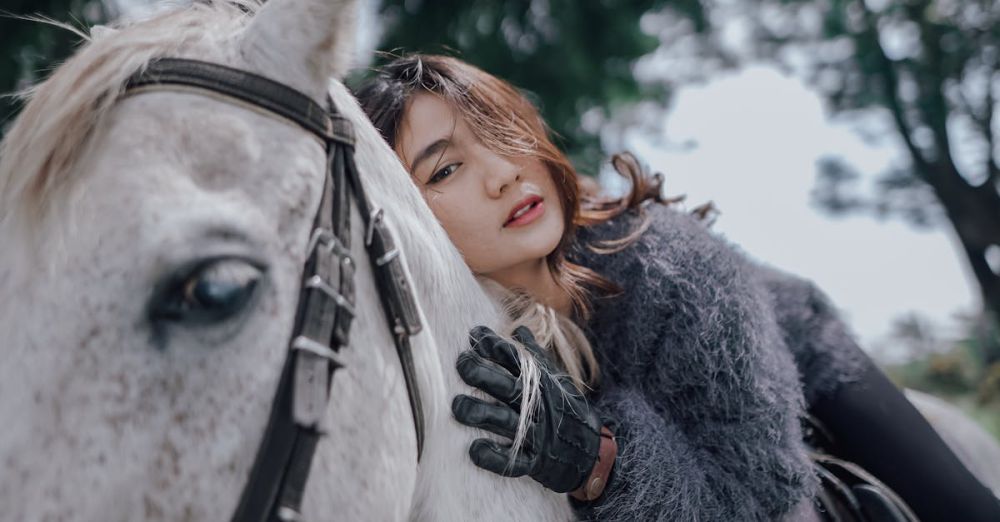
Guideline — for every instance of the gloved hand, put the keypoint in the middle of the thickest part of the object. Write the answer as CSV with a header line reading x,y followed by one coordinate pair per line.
x,y
563,439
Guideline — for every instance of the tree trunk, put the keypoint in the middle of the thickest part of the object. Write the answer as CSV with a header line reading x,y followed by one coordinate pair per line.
x,y
974,213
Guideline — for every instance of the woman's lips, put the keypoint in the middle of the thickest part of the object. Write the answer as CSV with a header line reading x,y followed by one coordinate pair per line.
x,y
530,209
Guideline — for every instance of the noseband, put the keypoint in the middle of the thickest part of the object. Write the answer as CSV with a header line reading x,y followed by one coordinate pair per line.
x,y
278,479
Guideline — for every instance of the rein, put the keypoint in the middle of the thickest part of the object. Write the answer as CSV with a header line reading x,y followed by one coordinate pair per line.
x,y
277,481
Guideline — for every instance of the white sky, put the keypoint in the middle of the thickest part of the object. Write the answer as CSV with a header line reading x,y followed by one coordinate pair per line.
x,y
758,136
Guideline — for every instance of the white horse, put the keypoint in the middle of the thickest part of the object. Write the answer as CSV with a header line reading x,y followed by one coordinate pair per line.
x,y
976,448
115,211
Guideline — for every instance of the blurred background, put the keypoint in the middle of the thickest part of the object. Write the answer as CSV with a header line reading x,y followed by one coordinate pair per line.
x,y
854,142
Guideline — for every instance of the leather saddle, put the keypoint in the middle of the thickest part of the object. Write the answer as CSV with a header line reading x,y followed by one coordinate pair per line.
x,y
848,493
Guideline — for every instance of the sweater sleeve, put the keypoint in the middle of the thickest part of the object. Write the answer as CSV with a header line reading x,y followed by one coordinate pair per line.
x,y
705,394
824,349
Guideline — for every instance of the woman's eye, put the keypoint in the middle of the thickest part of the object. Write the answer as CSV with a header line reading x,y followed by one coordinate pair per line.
x,y
209,292
440,175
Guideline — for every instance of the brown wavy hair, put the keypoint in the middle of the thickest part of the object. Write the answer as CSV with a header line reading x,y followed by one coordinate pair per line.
x,y
507,123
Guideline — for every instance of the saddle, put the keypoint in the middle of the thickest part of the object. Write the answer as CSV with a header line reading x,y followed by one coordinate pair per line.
x,y
848,493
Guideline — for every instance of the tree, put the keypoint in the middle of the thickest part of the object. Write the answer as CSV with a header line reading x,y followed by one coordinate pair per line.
x,y
28,49
927,74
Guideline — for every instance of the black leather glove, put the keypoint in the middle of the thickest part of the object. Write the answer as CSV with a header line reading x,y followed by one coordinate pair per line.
x,y
563,439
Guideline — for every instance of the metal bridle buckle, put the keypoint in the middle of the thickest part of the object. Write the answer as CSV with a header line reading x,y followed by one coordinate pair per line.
x,y
329,240
389,256
317,282
287,514
317,348
320,235
374,219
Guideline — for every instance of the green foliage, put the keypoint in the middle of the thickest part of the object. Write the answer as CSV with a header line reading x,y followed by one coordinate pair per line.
x,y
989,386
28,49
950,373
954,371
572,58
954,377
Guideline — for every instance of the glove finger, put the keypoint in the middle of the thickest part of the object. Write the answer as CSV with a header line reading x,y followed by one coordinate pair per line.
x,y
524,336
491,456
477,413
478,333
500,351
479,372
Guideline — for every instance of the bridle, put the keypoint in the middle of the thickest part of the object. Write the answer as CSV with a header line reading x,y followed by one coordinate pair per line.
x,y
325,310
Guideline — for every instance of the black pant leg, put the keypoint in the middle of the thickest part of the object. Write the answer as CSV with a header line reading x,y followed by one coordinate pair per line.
x,y
875,426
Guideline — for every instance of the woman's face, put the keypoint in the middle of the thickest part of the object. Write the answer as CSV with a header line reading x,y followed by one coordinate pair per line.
x,y
503,213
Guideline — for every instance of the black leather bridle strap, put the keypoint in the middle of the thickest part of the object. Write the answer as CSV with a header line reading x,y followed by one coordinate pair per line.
x,y
394,290
276,485
277,481
250,88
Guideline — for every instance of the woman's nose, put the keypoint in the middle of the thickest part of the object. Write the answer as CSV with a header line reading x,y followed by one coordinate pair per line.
x,y
501,177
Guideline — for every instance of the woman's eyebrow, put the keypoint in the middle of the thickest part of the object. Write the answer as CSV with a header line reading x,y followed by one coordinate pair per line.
x,y
439,145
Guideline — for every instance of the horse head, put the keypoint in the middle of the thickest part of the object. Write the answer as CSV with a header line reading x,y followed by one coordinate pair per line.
x,y
157,246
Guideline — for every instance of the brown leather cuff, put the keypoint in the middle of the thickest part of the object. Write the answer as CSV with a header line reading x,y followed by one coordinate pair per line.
x,y
593,487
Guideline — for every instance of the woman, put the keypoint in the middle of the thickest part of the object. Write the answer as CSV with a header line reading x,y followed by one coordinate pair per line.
x,y
695,368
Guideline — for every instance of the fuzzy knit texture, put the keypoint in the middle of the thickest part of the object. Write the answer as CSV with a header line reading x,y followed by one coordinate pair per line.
x,y
825,351
699,380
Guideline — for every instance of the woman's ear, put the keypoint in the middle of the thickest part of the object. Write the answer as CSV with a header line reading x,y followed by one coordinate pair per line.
x,y
303,43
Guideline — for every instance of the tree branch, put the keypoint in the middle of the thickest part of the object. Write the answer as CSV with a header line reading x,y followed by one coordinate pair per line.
x,y
992,166
931,85
890,84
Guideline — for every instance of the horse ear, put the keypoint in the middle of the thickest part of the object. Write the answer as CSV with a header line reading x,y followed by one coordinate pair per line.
x,y
303,43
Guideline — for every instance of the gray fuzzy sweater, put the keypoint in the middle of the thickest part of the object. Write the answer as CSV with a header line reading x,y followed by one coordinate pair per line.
x,y
701,358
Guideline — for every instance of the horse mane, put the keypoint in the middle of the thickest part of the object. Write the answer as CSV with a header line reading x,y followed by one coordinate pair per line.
x,y
61,114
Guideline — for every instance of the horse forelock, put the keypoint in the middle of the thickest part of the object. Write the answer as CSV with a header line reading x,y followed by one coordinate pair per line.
x,y
39,154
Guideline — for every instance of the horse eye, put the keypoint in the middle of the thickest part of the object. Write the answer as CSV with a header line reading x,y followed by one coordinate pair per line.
x,y
211,291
